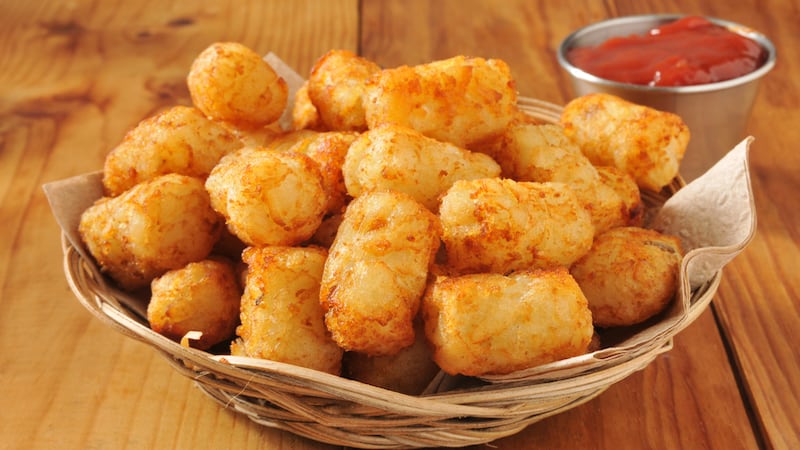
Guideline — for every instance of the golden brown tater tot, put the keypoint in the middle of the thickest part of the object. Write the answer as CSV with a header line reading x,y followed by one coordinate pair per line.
x,y
376,272
485,324
231,83
158,225
402,159
645,143
543,153
629,275
409,371
459,100
305,115
201,296
178,140
268,197
328,149
337,85
499,225
282,319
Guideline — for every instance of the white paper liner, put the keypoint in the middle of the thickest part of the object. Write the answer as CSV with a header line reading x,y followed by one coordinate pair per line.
x,y
722,208
293,80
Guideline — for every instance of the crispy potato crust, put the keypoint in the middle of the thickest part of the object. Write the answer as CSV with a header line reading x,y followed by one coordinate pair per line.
x,y
230,82
328,149
201,296
500,225
282,319
460,100
540,152
484,324
402,159
645,143
630,211
257,136
543,153
305,115
629,275
267,197
327,230
376,272
156,226
409,371
336,87
179,140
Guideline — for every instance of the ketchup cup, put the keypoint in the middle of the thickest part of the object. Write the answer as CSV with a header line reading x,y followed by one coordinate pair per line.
x,y
716,112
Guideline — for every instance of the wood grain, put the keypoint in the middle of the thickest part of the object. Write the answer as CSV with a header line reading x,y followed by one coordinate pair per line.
x,y
73,79
668,405
75,76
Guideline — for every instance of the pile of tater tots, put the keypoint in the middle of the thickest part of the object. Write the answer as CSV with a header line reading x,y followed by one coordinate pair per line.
x,y
412,220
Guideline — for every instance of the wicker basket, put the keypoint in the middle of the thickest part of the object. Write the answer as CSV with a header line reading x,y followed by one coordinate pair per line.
x,y
455,411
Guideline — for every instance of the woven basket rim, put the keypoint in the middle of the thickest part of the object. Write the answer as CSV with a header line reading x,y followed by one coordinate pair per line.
x,y
339,411
80,277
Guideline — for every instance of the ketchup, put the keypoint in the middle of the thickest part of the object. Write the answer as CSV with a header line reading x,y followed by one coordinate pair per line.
x,y
688,51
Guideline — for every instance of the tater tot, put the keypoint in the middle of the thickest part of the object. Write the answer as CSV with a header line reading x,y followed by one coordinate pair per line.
x,y
631,211
201,296
499,225
401,159
484,324
543,153
179,140
267,197
409,371
645,143
328,150
376,272
337,86
605,206
540,152
460,100
629,275
305,115
158,225
281,316
231,83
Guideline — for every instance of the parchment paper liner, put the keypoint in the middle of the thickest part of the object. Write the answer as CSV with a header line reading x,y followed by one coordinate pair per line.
x,y
714,216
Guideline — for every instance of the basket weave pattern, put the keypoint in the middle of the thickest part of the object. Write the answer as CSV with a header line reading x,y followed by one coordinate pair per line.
x,y
458,412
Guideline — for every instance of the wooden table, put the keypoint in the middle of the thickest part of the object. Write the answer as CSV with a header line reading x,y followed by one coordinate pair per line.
x,y
75,76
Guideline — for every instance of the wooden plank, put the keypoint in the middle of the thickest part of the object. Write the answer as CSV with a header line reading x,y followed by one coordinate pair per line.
x,y
760,303
760,314
670,404
74,78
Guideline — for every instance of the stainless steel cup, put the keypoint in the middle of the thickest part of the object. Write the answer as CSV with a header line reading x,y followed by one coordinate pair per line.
x,y
716,113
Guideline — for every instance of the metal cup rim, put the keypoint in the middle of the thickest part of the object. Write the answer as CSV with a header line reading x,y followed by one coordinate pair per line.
x,y
568,42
